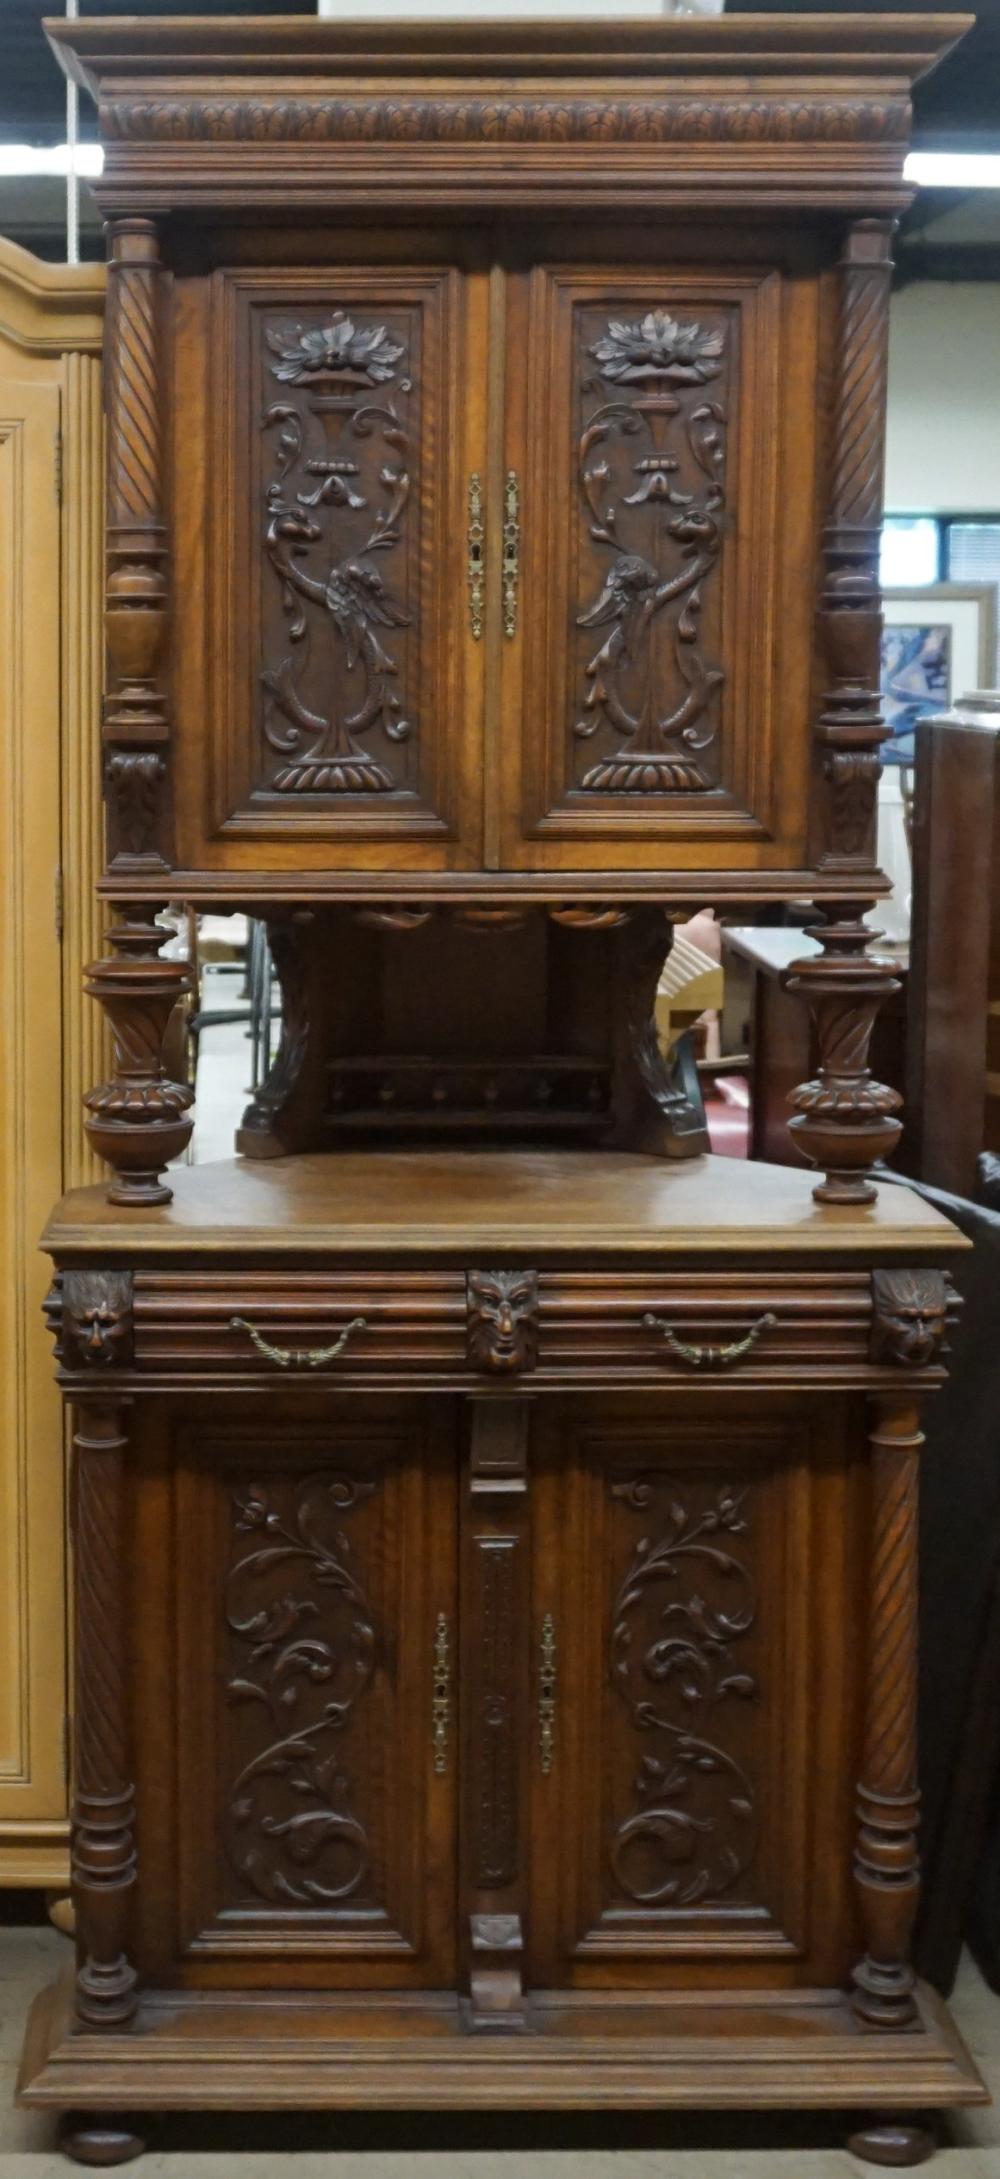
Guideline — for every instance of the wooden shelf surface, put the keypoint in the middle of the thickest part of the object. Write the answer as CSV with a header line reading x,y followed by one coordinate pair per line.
x,y
521,1201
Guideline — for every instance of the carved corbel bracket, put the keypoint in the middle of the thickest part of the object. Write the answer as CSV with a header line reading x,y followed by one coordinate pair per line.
x,y
502,1320
844,1120
909,1317
140,1120
90,1313
496,1990
657,1095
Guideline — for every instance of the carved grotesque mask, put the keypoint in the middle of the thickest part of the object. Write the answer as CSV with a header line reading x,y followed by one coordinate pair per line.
x,y
910,1318
503,1319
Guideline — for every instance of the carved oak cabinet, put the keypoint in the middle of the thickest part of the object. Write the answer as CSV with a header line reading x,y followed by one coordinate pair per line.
x,y
495,1517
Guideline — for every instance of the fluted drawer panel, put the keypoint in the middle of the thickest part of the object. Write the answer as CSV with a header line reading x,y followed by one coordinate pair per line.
x,y
414,1320
809,1323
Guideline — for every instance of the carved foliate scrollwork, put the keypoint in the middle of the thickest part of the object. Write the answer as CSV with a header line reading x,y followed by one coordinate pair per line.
x,y
335,504
649,688
502,1320
303,1653
95,1329
496,1725
500,120
909,1317
685,1603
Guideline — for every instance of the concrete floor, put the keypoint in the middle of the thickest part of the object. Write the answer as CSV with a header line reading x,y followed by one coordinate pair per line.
x,y
396,2145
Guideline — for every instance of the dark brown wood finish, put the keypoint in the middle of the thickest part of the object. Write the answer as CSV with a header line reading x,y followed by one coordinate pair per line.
x,y
473,1610
103,1858
953,1022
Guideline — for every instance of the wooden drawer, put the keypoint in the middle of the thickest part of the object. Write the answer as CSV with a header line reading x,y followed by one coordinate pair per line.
x,y
408,1320
682,1325
556,1327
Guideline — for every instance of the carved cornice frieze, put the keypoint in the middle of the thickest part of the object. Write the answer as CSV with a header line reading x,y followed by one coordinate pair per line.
x,y
498,120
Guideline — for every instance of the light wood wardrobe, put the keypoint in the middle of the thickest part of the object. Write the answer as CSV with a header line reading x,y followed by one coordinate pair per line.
x,y
50,574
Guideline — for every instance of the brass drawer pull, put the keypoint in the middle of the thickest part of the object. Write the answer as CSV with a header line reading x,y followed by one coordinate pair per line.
x,y
441,1703
476,561
710,1357
547,1694
298,1357
511,551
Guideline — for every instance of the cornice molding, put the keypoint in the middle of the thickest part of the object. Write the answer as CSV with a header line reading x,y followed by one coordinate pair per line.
x,y
50,309
283,110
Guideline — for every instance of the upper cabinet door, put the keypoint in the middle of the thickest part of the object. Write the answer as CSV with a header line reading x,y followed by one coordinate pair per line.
x,y
321,557
660,424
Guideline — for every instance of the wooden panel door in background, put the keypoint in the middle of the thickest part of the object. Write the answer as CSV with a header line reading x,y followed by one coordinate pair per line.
x,y
654,415
313,1610
51,574
32,1562
343,410
693,1569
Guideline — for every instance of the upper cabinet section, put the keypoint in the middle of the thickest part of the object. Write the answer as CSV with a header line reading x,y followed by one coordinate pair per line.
x,y
495,421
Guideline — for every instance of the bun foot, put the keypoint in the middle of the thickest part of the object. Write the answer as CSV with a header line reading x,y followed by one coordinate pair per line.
x,y
891,2141
91,2139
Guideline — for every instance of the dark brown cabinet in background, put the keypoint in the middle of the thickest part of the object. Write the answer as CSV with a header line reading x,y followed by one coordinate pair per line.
x,y
495,1518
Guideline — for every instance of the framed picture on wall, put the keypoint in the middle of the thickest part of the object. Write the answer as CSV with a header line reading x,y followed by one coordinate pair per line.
x,y
938,643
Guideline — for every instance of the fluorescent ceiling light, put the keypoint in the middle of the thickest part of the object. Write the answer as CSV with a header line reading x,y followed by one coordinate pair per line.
x,y
352,10
20,159
953,169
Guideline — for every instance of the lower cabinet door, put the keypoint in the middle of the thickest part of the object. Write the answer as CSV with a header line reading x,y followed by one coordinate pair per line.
x,y
295,1638
695,1614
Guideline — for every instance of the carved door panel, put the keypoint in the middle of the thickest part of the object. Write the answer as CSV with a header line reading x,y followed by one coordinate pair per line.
x,y
659,664
692,1808
342,414
312,1614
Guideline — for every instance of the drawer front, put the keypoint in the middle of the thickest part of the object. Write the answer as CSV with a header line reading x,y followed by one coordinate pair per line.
x,y
472,1327
681,1326
278,1324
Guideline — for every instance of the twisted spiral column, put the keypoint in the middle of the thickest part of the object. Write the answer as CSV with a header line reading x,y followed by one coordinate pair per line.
x,y
136,727
850,728
103,1852
886,1866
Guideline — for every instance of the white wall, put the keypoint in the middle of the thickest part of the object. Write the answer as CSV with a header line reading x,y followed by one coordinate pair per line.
x,y
943,444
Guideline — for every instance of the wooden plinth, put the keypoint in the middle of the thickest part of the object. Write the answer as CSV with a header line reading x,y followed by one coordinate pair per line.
x,y
792,2050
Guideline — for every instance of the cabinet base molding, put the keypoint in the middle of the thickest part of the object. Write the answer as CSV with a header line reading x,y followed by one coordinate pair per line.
x,y
413,2051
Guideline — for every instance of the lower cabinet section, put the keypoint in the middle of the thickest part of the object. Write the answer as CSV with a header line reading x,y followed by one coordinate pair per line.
x,y
584,1667
489,1748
